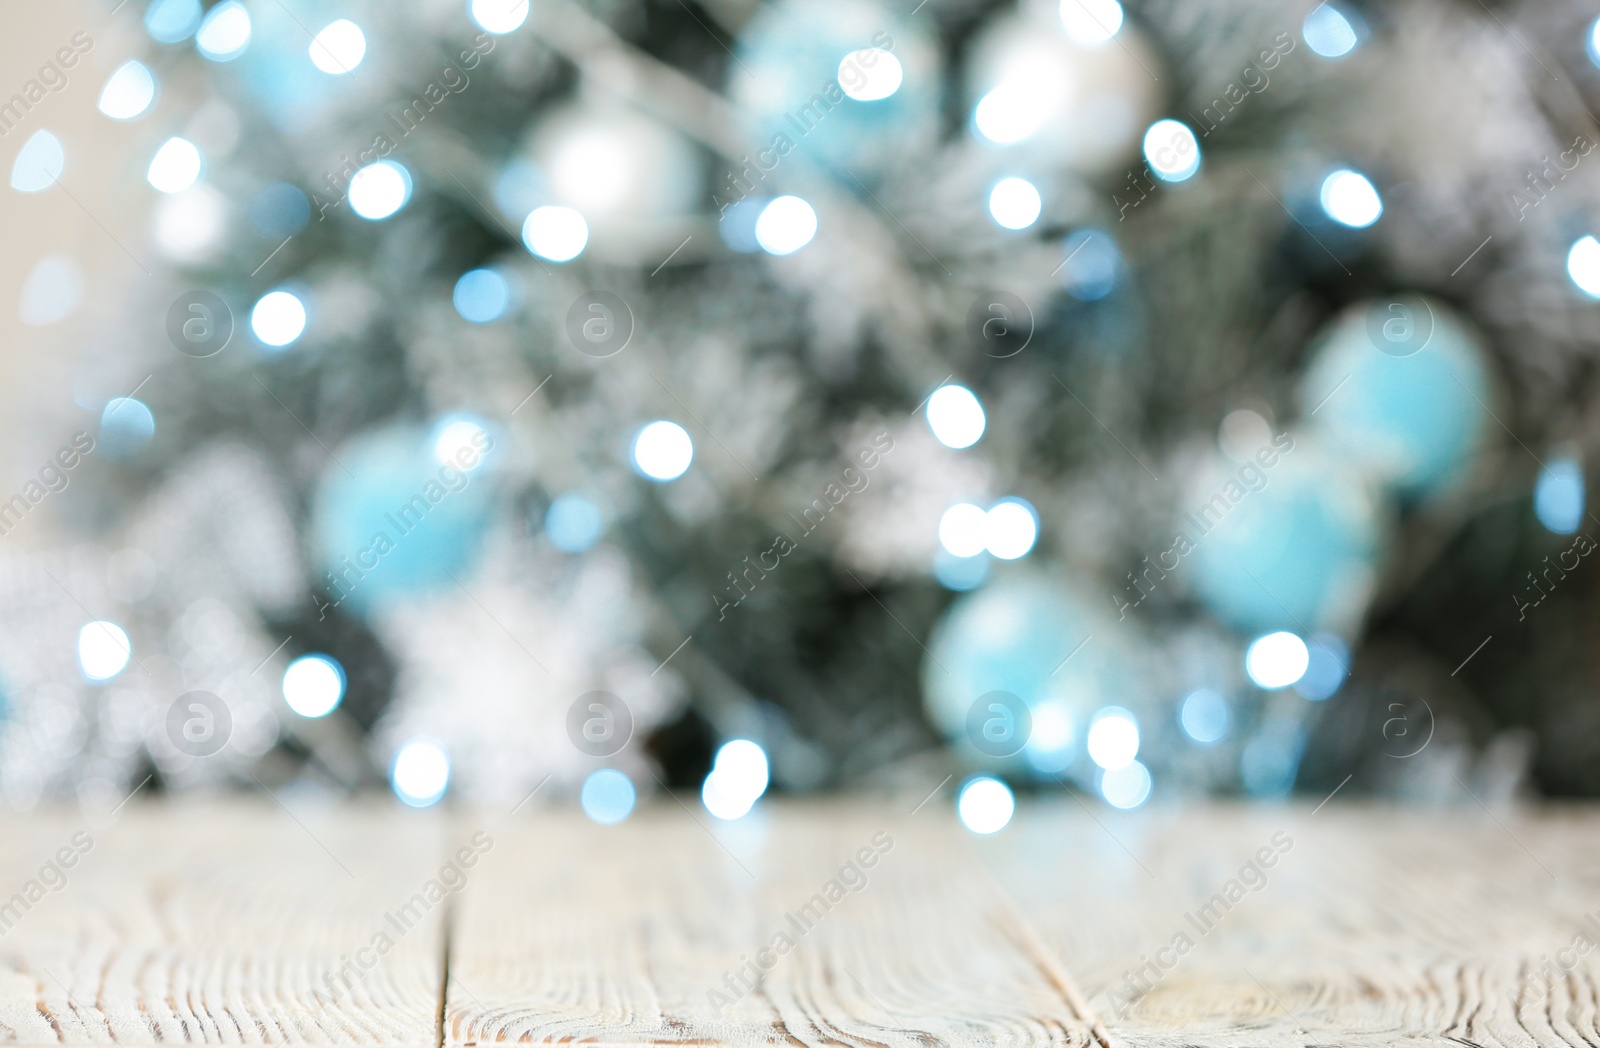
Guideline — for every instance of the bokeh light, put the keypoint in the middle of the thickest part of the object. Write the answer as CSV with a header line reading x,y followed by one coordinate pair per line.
x,y
1091,22
870,74
739,777
175,167
461,441
225,33
662,450
1010,528
985,805
39,163
314,685
339,48
955,416
574,524
278,318
481,296
104,650
556,233
1014,203
786,225
1330,30
1558,496
126,427
1204,716
171,21
128,92
1171,150
1276,660
607,796
1113,739
963,530
1125,787
1583,265
420,772
499,16
1350,199
379,190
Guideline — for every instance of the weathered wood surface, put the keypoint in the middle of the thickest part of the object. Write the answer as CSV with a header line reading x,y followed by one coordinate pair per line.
x,y
246,924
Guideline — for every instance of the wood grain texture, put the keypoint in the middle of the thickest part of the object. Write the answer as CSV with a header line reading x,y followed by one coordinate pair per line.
x,y
1373,927
241,925
633,935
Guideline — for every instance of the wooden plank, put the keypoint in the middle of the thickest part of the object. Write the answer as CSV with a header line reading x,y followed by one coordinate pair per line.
x,y
1370,926
651,933
226,925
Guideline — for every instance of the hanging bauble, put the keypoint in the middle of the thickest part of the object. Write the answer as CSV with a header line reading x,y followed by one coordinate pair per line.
x,y
633,179
1400,387
1288,540
1054,93
843,84
401,512
1018,668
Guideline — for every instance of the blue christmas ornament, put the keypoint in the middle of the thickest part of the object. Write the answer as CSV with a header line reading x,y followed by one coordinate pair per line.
x,y
1016,670
842,84
406,511
1400,387
1291,545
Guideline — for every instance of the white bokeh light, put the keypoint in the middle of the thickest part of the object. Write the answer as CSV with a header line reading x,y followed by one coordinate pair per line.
x,y
420,772
963,530
189,226
1091,22
1010,529
499,16
457,440
870,74
379,190
39,163
1583,265
1204,716
663,450
1351,199
607,796
556,233
1171,150
1126,787
225,33
1328,31
1113,738
955,416
1014,203
1011,112
738,778
278,318
985,805
128,91
339,48
1277,660
785,226
313,685
175,167
104,650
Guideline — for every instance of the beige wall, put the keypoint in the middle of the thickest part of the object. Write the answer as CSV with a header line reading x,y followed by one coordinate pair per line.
x,y
102,185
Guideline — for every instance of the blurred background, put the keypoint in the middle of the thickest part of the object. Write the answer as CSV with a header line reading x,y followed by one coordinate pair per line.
x,y
587,399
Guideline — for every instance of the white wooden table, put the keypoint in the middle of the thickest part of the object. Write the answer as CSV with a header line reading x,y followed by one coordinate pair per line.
x,y
821,924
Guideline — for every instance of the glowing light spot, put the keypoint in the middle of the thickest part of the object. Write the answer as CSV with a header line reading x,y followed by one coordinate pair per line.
x,y
574,524
1091,22
1350,199
1010,529
594,168
737,226
190,225
1010,113
169,21
738,778
339,48
278,319
175,167
1113,738
39,163
1593,44
1327,664
1276,660
1126,787
1171,150
985,805
955,416
126,426
786,225
313,685
1014,203
1558,496
556,233
963,530
225,33
499,16
481,296
379,190
104,650
960,573
458,441
870,74
1583,262
1329,32
1204,716
1090,265
1049,747
662,450
607,796
128,91
420,772
51,292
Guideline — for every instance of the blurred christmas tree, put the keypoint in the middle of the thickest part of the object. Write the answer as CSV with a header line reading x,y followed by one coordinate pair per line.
x,y
1174,381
